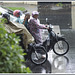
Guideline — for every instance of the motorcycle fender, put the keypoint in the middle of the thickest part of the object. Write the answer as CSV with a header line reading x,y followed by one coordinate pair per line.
x,y
61,38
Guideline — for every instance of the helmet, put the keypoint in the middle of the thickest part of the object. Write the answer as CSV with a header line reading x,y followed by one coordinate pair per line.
x,y
17,13
35,13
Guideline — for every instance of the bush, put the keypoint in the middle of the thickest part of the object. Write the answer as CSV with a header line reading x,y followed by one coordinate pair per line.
x,y
11,54
0,13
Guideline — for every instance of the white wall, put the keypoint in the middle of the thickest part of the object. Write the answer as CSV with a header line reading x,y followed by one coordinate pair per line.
x,y
25,2
73,14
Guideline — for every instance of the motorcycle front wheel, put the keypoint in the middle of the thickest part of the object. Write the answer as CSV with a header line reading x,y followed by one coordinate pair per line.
x,y
61,47
39,56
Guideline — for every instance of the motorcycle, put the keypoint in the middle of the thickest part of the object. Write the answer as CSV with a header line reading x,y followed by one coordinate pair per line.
x,y
58,43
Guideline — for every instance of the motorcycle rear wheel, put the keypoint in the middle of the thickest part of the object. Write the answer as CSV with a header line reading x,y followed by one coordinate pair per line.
x,y
39,56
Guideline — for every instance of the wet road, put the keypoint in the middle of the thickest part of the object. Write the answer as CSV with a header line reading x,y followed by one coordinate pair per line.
x,y
55,64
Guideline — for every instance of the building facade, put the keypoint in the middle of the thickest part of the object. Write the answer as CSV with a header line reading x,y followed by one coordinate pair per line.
x,y
58,13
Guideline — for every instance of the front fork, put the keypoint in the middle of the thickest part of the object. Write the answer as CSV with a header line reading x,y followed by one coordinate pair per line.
x,y
35,51
32,48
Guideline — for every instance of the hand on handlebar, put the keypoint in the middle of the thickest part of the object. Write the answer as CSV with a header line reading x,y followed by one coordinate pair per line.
x,y
47,27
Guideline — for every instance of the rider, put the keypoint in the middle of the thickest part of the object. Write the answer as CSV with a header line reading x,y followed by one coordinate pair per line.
x,y
27,37
35,26
17,13
26,18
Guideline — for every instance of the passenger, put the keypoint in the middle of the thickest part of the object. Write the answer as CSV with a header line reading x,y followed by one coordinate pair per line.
x,y
35,26
17,13
26,18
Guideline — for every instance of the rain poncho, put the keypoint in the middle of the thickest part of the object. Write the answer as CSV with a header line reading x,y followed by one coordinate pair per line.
x,y
14,27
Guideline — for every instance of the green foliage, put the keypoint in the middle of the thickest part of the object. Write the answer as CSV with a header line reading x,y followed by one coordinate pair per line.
x,y
0,13
17,8
3,20
11,54
59,4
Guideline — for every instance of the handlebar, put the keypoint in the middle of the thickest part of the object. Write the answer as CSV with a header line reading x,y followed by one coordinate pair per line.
x,y
50,26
